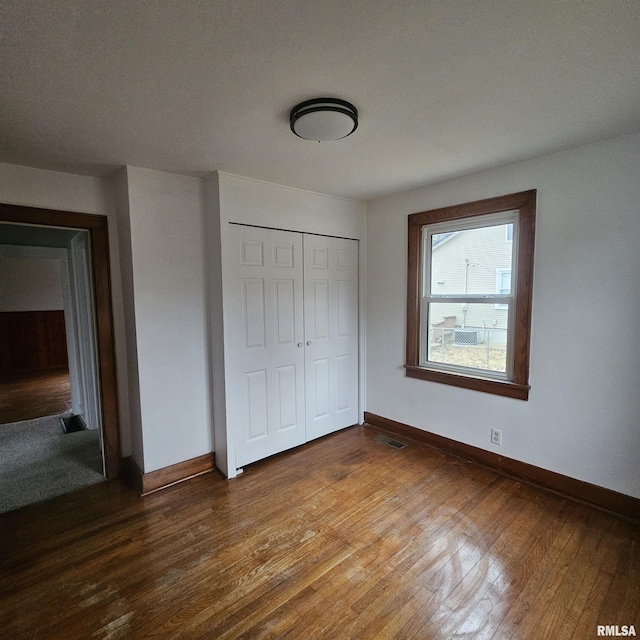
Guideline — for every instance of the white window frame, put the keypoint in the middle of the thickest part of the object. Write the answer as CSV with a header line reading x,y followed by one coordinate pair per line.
x,y
505,301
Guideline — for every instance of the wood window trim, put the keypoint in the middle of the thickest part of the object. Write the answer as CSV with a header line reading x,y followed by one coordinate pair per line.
x,y
525,203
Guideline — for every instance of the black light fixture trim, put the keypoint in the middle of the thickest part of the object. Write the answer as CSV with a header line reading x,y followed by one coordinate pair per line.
x,y
323,104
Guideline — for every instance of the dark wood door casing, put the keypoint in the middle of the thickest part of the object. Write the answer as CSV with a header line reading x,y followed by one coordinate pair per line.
x,y
97,227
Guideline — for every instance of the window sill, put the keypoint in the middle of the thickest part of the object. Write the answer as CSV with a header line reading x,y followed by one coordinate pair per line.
x,y
486,385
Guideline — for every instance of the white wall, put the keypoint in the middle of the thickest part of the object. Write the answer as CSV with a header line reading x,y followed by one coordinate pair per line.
x,y
215,299
168,264
129,396
30,284
583,415
32,187
231,198
256,202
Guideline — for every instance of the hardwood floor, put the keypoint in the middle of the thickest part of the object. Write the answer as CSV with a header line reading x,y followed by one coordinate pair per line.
x,y
341,538
36,394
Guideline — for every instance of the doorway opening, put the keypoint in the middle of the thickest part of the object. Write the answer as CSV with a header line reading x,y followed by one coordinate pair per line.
x,y
57,370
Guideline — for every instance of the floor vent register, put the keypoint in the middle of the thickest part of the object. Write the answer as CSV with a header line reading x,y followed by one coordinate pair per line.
x,y
390,442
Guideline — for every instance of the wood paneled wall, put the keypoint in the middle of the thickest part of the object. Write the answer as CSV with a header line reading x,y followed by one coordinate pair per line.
x,y
32,341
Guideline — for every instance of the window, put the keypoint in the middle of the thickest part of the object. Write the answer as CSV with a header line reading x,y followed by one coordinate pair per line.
x,y
469,294
503,283
508,236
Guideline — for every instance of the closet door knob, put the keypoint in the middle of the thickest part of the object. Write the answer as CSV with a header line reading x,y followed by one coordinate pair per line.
x,y
299,344
308,343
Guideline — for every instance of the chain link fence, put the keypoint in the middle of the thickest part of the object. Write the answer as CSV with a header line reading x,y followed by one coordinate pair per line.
x,y
475,347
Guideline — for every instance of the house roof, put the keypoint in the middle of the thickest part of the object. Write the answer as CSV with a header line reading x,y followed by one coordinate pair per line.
x,y
443,88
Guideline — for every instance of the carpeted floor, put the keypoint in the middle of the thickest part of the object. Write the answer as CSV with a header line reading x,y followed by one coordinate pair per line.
x,y
39,461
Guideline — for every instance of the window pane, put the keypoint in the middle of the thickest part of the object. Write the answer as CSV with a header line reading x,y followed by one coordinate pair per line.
x,y
505,282
509,231
467,335
466,262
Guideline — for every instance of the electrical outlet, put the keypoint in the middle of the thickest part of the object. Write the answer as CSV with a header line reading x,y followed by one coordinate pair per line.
x,y
496,436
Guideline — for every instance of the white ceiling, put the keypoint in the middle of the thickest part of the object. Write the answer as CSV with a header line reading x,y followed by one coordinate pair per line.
x,y
443,87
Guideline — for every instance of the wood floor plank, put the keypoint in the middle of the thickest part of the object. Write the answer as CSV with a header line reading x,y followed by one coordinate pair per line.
x,y
509,553
34,394
341,538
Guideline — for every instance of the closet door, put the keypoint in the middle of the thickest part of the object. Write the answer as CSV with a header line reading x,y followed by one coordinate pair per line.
x,y
265,358
331,334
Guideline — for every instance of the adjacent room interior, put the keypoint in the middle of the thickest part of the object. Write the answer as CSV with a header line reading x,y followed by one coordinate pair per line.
x,y
49,416
350,318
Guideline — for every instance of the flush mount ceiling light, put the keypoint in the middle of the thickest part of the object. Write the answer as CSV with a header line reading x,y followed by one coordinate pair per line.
x,y
323,119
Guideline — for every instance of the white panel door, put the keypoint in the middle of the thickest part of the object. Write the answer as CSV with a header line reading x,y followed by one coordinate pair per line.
x,y
331,334
265,357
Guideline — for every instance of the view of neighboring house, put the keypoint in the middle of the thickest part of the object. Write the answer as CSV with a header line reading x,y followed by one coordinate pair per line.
x,y
472,262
